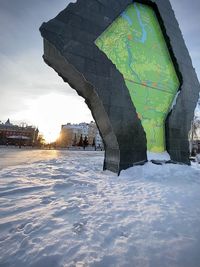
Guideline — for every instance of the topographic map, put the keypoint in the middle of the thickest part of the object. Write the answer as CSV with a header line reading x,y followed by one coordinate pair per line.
x,y
134,42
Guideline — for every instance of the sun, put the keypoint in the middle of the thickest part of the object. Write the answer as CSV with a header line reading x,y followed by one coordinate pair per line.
x,y
49,112
51,136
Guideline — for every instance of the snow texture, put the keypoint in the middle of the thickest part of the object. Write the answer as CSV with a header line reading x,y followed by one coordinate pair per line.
x,y
164,156
59,208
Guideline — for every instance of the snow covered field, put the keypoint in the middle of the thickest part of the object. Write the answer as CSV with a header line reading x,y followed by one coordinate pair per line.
x,y
58,208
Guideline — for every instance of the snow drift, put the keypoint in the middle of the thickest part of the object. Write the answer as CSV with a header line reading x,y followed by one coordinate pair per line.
x,y
65,211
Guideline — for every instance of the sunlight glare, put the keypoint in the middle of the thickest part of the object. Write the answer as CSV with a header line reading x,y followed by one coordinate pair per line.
x,y
49,112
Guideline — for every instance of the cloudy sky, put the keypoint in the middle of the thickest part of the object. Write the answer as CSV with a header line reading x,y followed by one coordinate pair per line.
x,y
30,91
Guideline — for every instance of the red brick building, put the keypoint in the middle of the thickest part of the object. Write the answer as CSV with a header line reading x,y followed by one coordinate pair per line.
x,y
11,134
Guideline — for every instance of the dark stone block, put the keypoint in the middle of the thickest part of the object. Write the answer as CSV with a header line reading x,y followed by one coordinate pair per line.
x,y
79,61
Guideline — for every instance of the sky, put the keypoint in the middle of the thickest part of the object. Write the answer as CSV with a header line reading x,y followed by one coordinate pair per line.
x,y
32,92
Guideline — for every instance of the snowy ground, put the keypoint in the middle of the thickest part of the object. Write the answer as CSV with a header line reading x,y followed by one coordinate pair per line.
x,y
58,208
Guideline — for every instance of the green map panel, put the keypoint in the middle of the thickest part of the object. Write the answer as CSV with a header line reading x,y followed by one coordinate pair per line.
x,y
135,44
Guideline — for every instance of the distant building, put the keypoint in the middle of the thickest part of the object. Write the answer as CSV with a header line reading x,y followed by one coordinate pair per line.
x,y
11,134
194,147
71,133
94,135
194,137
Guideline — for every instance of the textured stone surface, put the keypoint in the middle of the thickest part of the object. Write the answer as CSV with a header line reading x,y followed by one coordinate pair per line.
x,y
69,48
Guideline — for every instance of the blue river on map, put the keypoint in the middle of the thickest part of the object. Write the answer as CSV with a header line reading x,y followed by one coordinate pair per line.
x,y
130,22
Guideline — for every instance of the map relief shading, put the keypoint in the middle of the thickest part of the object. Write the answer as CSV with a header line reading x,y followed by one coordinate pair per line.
x,y
134,42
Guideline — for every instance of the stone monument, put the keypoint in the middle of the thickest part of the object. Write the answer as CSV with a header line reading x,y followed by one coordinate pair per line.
x,y
128,60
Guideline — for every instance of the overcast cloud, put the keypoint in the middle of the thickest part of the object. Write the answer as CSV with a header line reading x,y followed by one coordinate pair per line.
x,y
23,74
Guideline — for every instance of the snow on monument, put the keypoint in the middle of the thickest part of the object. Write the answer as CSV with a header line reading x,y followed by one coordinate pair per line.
x,y
129,61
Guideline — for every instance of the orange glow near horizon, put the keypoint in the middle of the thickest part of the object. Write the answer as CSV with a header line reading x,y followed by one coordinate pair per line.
x,y
49,112
51,137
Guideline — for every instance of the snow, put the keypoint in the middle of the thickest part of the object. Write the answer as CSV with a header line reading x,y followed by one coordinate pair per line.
x,y
58,208
197,158
174,101
163,156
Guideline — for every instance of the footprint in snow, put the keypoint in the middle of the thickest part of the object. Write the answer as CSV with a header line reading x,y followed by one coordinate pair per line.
x,y
79,227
